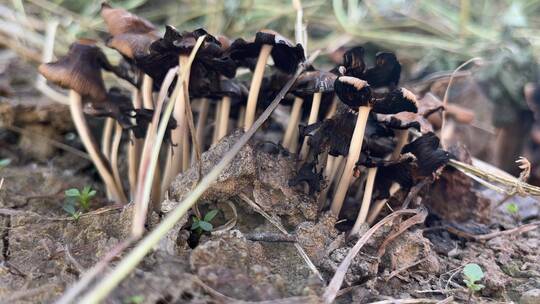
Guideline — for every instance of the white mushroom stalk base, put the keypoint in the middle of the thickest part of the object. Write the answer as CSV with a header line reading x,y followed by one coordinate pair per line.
x,y
256,85
294,119
354,153
103,167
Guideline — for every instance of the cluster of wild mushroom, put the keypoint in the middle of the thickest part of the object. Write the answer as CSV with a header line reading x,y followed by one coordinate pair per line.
x,y
355,117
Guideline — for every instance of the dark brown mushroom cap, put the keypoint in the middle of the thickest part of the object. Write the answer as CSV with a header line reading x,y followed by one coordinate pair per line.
x,y
395,101
353,91
286,56
429,157
131,35
119,21
143,117
332,135
353,61
118,105
405,120
314,82
227,87
385,73
400,172
79,70
164,54
308,174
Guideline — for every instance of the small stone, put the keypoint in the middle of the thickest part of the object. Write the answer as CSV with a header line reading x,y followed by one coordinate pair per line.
x,y
530,297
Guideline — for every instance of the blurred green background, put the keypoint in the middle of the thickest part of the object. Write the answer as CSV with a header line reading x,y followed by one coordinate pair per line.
x,y
436,33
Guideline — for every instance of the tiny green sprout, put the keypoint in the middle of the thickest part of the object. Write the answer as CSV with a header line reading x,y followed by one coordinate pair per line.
x,y
137,299
81,197
512,208
4,162
77,201
473,273
70,208
204,225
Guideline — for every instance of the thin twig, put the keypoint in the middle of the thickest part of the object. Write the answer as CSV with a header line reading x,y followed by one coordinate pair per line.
x,y
445,99
89,275
399,270
280,227
333,288
413,220
488,236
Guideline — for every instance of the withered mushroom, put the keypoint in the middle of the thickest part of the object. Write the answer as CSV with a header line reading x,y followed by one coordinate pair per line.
x,y
286,58
131,36
310,83
80,72
356,93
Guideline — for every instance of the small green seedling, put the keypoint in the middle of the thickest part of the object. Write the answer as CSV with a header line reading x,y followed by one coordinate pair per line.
x,y
4,162
473,273
138,299
71,209
512,208
81,197
204,225
77,201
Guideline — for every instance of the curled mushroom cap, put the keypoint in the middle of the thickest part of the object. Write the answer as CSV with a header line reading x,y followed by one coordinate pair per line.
x,y
120,21
79,70
131,35
286,56
353,91
429,157
386,72
353,61
405,120
164,53
143,117
313,82
397,100
118,105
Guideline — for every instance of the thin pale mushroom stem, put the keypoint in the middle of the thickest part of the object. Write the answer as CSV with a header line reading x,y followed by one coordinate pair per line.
x,y
255,86
224,117
241,117
134,147
366,200
354,153
186,158
294,119
115,147
378,205
103,167
147,88
191,125
313,115
175,155
402,137
148,103
128,263
106,135
149,161
333,108
204,106
330,171
217,117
